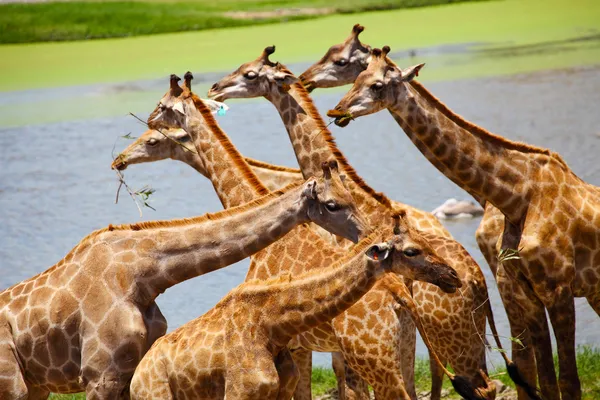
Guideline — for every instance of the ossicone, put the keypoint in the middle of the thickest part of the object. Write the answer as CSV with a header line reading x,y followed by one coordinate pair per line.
x,y
357,29
266,53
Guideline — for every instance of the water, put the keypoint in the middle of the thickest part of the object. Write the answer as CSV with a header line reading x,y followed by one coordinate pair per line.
x,y
56,185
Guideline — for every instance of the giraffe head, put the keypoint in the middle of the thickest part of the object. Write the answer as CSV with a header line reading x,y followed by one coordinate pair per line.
x,y
407,253
340,65
155,145
257,78
380,86
330,204
179,104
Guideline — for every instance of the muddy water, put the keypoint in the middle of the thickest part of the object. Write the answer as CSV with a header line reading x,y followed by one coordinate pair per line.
x,y
56,185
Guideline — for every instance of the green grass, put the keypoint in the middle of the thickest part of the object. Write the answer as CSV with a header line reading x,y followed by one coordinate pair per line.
x,y
323,379
514,22
80,20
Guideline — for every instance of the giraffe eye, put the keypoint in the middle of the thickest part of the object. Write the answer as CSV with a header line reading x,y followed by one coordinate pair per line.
x,y
411,252
250,75
152,142
377,86
332,206
341,62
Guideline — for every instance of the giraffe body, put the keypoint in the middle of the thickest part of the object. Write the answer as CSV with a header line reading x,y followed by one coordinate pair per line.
x,y
85,323
550,214
303,251
236,349
330,72
454,329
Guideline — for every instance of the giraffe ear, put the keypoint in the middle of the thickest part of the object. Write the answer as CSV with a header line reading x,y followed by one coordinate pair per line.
x,y
283,78
378,252
411,72
310,189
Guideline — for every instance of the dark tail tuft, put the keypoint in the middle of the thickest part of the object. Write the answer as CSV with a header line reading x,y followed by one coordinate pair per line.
x,y
464,388
517,378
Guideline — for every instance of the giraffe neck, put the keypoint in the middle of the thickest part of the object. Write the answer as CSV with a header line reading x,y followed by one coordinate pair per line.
x,y
314,144
313,298
310,145
233,179
486,166
185,249
194,161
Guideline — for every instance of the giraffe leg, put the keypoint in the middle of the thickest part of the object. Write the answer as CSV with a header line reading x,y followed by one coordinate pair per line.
x,y
408,345
338,365
544,362
385,392
355,388
527,320
12,384
288,374
594,302
562,315
37,393
303,360
437,378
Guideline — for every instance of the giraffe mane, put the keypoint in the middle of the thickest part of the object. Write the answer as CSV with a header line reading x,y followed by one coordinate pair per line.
x,y
479,131
237,158
139,226
261,164
339,156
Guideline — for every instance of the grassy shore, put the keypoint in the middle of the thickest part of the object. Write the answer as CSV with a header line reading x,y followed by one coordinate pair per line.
x,y
323,379
82,20
487,24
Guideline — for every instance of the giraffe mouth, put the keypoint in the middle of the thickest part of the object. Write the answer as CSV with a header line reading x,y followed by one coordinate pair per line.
x,y
118,164
448,281
308,85
342,118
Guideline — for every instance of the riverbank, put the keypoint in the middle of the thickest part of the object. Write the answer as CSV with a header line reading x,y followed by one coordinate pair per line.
x,y
458,41
324,383
30,21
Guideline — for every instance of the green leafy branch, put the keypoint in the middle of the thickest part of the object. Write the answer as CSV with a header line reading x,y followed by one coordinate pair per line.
x,y
139,197
128,136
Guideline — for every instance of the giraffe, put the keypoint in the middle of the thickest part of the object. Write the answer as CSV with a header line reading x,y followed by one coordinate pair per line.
x,y
85,323
457,319
155,145
341,65
238,348
370,346
550,213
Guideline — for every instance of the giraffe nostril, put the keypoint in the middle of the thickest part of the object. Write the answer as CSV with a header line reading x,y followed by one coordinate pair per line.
x,y
214,87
